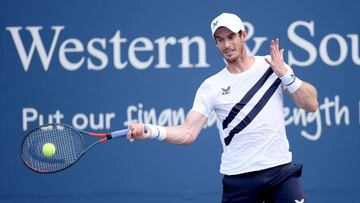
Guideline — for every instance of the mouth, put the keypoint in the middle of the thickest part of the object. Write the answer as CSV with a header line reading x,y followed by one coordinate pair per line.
x,y
228,52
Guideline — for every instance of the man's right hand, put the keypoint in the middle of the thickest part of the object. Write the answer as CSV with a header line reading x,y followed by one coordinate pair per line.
x,y
138,131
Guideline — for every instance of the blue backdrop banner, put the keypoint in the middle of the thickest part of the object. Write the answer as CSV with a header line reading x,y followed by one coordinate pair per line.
x,y
101,65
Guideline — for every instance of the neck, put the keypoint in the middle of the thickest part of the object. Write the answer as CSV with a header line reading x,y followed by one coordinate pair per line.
x,y
242,64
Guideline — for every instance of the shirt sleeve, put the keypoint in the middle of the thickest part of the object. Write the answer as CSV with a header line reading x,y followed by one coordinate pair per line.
x,y
203,102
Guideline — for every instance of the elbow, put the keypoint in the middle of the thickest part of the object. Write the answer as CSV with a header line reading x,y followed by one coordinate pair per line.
x,y
312,107
184,142
187,143
189,140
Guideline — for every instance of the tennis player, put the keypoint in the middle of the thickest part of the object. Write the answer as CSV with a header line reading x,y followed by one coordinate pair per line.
x,y
247,97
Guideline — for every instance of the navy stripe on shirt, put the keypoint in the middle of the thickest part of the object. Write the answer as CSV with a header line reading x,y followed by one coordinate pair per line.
x,y
252,114
237,108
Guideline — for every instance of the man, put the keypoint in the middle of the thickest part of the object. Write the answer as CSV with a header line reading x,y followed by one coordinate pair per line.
x,y
247,97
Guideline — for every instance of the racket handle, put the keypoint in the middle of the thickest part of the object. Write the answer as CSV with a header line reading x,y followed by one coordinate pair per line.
x,y
119,133
122,133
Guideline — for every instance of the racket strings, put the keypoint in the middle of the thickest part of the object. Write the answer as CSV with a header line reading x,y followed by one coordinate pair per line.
x,y
68,143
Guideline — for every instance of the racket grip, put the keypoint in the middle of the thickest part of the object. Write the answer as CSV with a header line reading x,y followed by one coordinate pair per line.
x,y
122,133
119,133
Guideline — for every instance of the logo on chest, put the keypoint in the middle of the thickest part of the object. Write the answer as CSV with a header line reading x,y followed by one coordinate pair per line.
x,y
225,90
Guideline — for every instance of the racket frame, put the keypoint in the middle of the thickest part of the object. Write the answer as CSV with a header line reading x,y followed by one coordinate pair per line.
x,y
103,138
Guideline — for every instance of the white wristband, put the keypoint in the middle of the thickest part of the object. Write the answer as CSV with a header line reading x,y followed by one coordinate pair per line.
x,y
288,78
294,86
157,132
291,82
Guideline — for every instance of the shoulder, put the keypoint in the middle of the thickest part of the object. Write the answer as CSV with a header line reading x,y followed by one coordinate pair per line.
x,y
215,79
261,60
260,64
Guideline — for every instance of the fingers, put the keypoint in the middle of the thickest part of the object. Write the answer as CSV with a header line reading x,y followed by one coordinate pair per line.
x,y
277,48
272,54
130,133
275,52
282,52
277,61
136,132
274,48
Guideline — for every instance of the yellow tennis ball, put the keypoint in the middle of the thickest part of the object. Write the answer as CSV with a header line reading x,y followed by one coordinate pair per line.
x,y
48,150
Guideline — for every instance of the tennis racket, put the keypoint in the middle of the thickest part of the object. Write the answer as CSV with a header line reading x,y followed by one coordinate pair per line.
x,y
67,144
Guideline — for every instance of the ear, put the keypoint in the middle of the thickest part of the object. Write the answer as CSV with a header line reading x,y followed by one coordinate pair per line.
x,y
243,36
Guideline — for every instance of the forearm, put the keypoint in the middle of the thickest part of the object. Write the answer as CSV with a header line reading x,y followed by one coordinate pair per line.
x,y
306,97
186,133
182,135
303,93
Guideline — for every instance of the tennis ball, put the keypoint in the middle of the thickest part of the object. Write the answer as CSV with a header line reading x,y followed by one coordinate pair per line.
x,y
48,150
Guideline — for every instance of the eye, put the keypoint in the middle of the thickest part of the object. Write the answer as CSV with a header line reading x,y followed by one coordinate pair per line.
x,y
231,36
219,40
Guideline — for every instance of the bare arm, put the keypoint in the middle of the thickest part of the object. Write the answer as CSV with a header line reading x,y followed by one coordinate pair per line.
x,y
183,135
306,96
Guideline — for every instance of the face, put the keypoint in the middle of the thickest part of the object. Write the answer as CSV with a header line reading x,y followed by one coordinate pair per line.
x,y
231,45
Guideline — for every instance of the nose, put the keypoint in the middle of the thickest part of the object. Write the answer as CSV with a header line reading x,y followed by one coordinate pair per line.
x,y
226,43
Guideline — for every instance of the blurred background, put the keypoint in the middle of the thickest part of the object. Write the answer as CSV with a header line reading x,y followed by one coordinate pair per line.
x,y
100,65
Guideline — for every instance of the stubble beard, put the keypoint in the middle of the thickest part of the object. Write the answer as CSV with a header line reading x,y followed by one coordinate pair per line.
x,y
232,60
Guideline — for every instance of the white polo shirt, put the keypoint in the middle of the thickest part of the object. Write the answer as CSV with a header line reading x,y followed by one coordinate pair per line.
x,y
249,109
